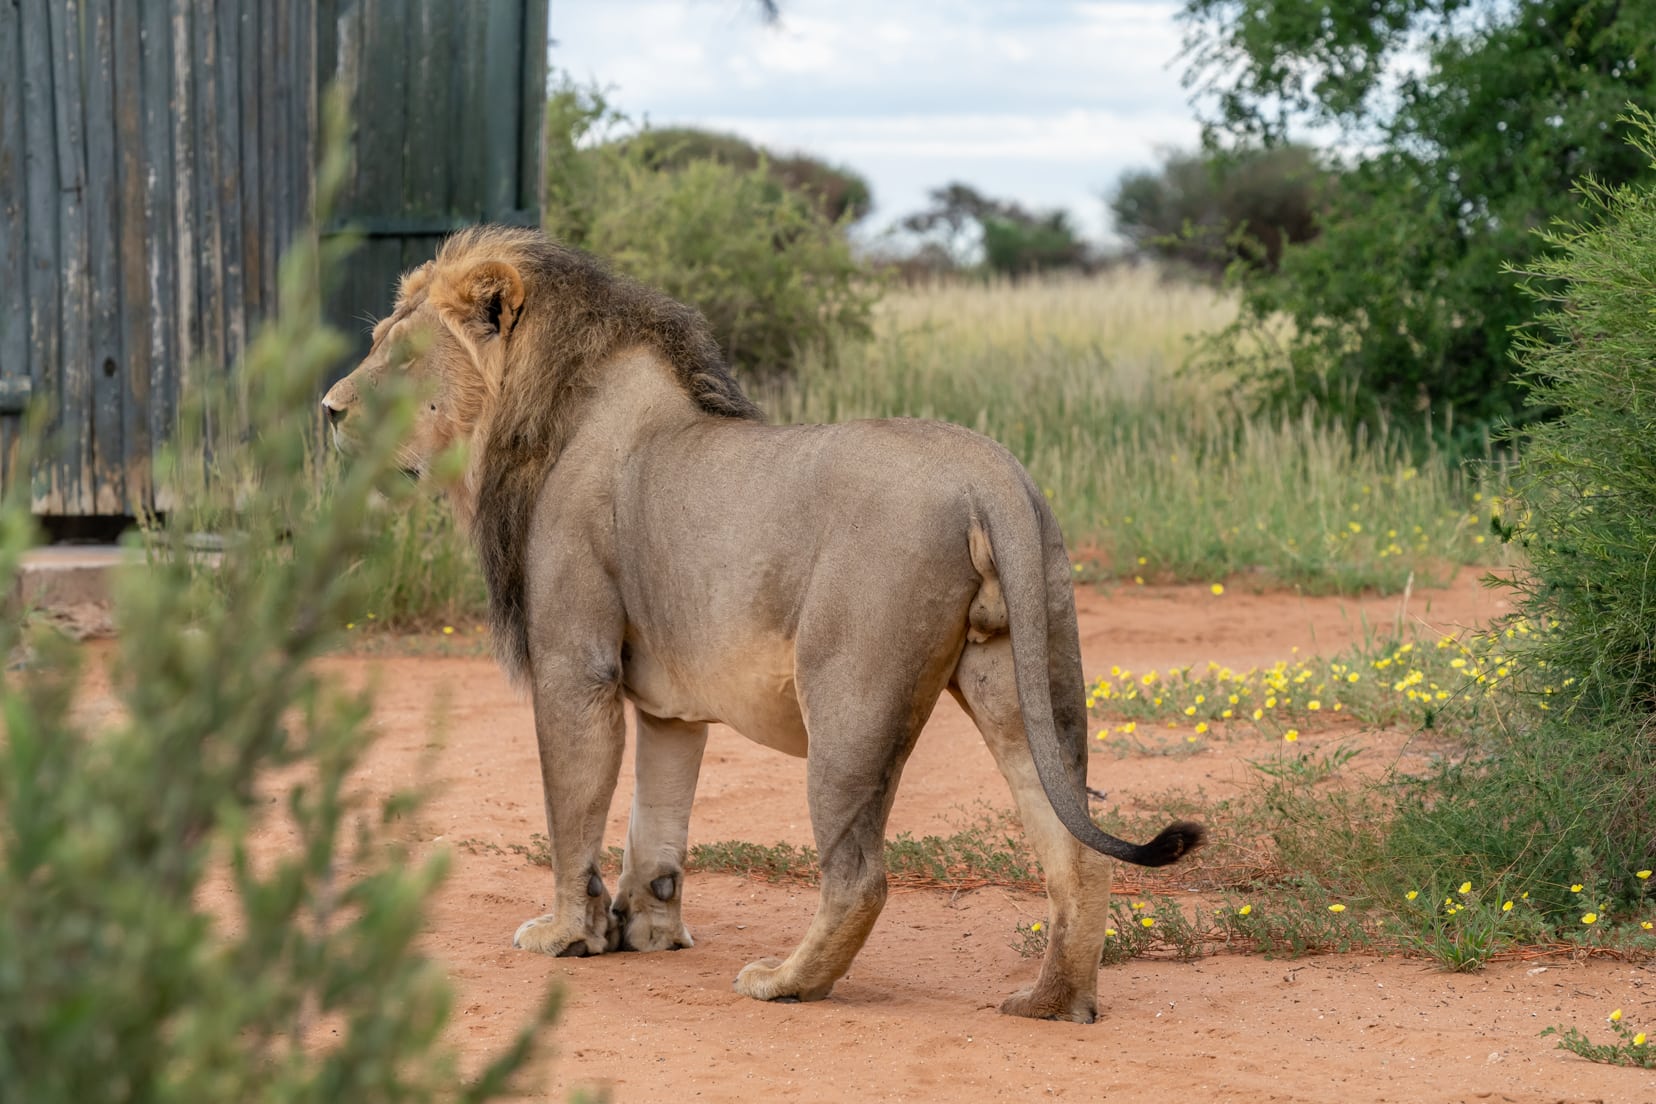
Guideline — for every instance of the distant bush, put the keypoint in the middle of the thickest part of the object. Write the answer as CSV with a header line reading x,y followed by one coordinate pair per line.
x,y
1208,210
838,193
761,260
1013,241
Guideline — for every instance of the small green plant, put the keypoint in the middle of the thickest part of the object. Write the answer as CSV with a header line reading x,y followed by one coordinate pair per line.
x,y
1453,685
773,275
1463,928
148,950
1630,1049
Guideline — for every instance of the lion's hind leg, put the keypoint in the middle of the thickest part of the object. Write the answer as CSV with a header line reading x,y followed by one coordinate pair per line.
x,y
648,904
1078,879
863,713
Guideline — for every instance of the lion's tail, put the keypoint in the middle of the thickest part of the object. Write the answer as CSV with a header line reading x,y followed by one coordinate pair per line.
x,y
1029,558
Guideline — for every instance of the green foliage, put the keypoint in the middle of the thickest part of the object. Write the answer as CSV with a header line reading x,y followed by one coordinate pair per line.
x,y
839,194
1587,481
148,950
1208,210
1400,308
1014,241
1630,1049
759,259
1081,380
1463,926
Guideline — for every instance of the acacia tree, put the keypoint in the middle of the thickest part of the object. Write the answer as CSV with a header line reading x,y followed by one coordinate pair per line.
x,y
1474,118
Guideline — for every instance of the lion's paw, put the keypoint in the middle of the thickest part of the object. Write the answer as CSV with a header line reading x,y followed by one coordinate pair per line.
x,y
1040,1003
649,918
768,980
549,936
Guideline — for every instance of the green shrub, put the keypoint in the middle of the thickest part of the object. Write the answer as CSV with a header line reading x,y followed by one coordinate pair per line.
x,y
1207,210
838,193
1562,807
148,950
1014,241
770,272
1472,122
1587,483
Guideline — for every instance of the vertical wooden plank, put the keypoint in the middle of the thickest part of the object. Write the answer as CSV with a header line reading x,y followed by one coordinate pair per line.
x,y
270,190
210,252
425,177
249,165
72,470
14,309
306,108
501,87
187,343
468,134
162,279
227,145
133,161
106,364
383,106
279,151
531,186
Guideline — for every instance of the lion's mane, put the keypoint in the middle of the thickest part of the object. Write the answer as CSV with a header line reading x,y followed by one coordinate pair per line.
x,y
577,316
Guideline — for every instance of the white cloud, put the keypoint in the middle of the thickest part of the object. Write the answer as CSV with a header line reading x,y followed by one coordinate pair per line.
x,y
1043,101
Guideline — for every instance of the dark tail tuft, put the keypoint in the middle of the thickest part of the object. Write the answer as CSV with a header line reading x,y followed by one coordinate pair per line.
x,y
1175,842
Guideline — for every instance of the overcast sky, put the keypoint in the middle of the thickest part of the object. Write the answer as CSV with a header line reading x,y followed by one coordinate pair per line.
x,y
1041,101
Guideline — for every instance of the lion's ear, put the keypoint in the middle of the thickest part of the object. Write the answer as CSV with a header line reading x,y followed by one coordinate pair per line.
x,y
486,298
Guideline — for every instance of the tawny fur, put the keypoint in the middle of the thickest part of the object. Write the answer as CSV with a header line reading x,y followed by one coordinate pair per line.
x,y
577,316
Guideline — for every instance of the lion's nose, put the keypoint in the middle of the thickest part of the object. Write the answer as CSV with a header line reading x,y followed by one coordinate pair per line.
x,y
333,412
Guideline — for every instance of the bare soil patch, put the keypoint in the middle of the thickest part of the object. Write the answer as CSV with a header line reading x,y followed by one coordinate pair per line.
x,y
916,1020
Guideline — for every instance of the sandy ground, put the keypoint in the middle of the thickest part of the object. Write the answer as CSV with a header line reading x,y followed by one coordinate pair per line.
x,y
915,1020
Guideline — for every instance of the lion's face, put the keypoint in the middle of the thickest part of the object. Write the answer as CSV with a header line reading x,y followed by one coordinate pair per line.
x,y
446,339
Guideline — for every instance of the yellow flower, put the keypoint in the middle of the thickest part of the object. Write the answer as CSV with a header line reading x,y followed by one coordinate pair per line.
x,y
1642,875
1109,931
1190,711
1507,907
1336,908
350,624
1639,1039
1313,705
448,630
1201,728
1036,926
1258,713
1291,735
1465,888
1244,910
1137,905
1646,925
1615,1017
1148,921
1576,888
1412,894
1217,588
1590,918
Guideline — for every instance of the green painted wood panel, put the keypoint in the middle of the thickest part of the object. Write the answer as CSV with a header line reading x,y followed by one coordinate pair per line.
x,y
156,159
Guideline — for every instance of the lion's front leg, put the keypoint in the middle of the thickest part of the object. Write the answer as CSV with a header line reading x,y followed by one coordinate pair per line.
x,y
579,727
649,901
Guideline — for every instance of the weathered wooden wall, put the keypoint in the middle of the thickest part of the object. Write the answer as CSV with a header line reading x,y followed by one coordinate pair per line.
x,y
447,101
156,158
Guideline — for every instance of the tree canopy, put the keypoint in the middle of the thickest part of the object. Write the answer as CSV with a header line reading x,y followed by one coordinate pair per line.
x,y
1465,126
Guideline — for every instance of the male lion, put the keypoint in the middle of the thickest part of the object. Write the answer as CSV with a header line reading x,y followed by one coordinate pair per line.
x,y
646,537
